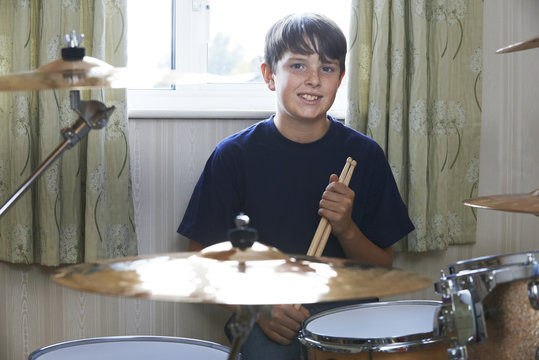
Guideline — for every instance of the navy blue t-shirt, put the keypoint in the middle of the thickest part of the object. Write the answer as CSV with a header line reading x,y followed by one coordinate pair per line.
x,y
279,183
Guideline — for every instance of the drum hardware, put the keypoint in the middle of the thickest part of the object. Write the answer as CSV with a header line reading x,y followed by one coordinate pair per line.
x,y
461,316
533,293
92,115
474,298
522,203
243,322
243,237
457,353
76,71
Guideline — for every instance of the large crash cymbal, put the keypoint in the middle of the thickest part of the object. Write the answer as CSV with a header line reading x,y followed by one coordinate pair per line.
x,y
92,73
226,275
522,203
523,45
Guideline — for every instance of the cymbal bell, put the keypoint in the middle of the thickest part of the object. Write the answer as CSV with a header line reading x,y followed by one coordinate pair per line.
x,y
223,274
523,45
522,203
90,73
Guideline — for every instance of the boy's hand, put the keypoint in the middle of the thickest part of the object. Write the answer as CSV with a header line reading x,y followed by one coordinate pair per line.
x,y
285,323
336,206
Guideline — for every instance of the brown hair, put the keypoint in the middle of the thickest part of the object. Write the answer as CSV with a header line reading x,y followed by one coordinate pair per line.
x,y
305,34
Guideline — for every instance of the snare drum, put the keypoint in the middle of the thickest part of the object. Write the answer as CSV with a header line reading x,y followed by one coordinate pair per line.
x,y
381,330
133,348
499,286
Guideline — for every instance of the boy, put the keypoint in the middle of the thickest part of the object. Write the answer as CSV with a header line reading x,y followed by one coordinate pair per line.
x,y
277,172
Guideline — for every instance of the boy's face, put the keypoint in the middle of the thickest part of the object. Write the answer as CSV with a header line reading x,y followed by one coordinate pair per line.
x,y
306,87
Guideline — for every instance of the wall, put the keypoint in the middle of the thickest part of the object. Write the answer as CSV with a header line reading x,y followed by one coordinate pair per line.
x,y
168,155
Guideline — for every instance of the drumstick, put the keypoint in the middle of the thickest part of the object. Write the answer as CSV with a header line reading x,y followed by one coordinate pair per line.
x,y
324,239
324,222
324,229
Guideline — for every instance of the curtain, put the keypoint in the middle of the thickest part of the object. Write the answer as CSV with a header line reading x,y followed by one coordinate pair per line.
x,y
81,208
415,87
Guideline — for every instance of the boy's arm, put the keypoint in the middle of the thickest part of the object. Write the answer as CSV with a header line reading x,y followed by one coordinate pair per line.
x,y
356,246
194,246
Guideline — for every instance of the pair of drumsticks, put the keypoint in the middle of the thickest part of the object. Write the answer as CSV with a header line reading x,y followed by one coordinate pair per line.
x,y
321,235
324,227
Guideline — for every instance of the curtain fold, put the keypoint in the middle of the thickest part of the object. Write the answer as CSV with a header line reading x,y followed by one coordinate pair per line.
x,y
415,87
81,208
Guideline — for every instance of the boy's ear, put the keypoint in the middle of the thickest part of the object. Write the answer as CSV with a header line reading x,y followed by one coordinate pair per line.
x,y
267,74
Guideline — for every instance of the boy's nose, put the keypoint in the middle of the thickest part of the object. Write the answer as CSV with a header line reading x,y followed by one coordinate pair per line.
x,y
313,78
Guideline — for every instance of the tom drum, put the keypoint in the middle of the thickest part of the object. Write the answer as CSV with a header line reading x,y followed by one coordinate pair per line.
x,y
504,292
381,330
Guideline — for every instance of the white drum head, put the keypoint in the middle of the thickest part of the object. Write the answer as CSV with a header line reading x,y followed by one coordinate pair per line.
x,y
376,321
133,348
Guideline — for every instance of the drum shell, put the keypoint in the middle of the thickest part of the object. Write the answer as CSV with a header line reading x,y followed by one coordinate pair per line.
x,y
325,345
500,284
133,348
512,325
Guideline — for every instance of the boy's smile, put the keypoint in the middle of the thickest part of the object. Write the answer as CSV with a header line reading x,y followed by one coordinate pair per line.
x,y
306,88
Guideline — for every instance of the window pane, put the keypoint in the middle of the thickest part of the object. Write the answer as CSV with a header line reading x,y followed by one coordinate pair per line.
x,y
149,34
238,29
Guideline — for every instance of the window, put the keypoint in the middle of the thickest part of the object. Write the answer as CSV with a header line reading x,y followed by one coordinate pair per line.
x,y
223,39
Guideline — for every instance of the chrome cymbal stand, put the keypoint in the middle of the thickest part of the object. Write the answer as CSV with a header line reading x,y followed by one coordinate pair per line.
x,y
243,237
241,326
92,115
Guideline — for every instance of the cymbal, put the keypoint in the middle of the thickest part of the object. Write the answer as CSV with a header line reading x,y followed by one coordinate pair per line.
x,y
93,73
522,203
223,274
523,45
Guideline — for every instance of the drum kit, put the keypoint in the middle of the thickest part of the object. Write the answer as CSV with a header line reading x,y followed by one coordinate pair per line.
x,y
482,313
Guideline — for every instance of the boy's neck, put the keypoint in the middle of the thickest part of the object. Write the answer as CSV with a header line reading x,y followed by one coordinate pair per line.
x,y
301,131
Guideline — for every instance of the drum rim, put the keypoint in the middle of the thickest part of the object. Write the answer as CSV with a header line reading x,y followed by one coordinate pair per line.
x,y
386,345
492,261
128,338
495,275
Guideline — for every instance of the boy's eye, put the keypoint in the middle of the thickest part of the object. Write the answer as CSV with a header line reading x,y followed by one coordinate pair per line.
x,y
328,69
297,66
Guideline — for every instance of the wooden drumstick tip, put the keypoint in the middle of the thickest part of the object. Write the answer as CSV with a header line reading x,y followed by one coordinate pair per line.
x,y
349,173
345,169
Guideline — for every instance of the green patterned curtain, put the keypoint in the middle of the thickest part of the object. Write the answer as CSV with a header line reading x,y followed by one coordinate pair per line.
x,y
415,87
81,208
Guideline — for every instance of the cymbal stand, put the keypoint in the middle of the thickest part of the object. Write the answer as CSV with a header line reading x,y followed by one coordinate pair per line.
x,y
92,115
243,237
242,324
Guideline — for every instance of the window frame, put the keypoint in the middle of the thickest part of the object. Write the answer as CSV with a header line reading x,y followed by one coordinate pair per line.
x,y
205,100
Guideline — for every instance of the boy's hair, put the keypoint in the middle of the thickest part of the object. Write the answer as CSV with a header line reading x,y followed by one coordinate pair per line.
x,y
303,33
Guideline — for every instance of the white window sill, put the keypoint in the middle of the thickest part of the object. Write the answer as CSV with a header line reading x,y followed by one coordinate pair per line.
x,y
209,101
